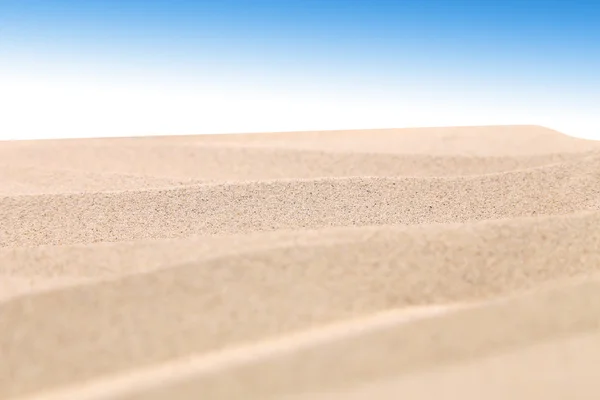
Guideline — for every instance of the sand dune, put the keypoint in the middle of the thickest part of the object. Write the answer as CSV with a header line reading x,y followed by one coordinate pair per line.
x,y
347,264
315,203
483,141
555,369
16,179
211,162
408,344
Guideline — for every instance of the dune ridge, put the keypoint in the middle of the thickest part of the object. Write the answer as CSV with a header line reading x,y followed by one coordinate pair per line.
x,y
31,180
409,340
209,162
254,206
291,265
407,346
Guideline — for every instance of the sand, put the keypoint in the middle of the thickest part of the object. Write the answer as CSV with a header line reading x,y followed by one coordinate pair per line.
x,y
302,265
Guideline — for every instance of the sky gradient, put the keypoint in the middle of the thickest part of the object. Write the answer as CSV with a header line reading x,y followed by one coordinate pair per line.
x,y
130,67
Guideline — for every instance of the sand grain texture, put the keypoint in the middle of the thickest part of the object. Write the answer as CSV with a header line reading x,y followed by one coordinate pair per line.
x,y
301,265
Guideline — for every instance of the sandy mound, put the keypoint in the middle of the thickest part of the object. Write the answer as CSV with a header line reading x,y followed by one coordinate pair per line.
x,y
294,204
347,264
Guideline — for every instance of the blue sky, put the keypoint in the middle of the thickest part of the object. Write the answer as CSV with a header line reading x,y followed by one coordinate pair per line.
x,y
128,67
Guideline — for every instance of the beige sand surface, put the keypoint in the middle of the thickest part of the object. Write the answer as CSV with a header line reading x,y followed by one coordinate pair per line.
x,y
301,265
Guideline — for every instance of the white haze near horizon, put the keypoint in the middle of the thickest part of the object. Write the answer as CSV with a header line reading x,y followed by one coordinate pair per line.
x,y
42,108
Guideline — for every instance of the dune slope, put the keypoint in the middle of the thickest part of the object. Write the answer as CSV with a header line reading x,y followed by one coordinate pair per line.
x,y
299,265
